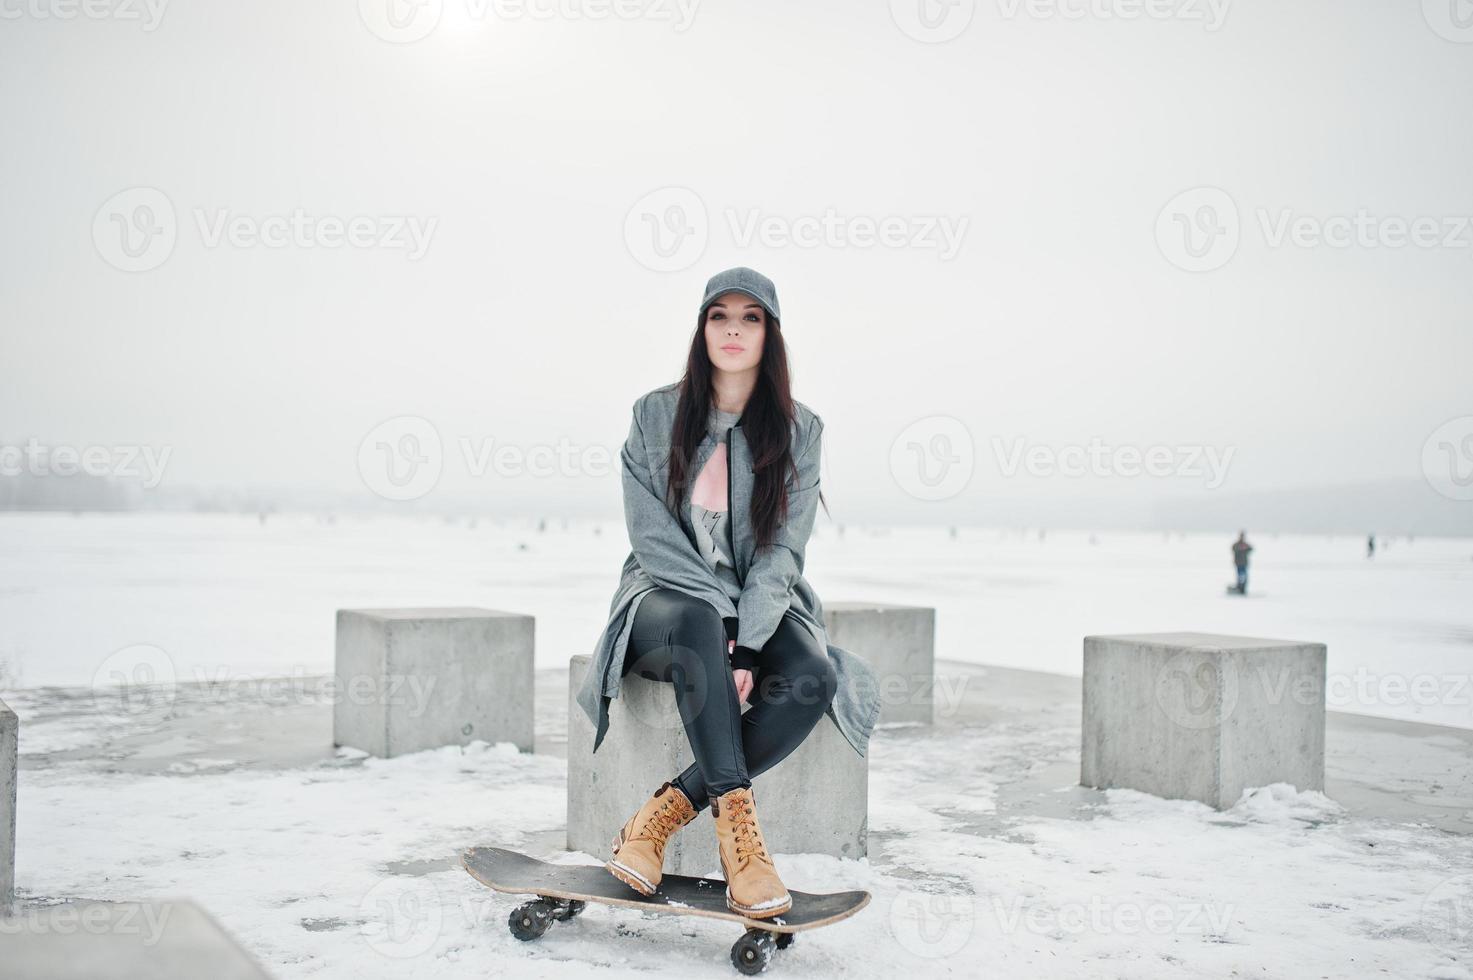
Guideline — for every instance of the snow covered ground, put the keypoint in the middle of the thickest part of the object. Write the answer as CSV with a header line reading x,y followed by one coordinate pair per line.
x,y
986,860
221,597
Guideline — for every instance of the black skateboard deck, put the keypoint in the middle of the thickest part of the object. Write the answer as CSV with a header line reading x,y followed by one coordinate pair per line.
x,y
564,889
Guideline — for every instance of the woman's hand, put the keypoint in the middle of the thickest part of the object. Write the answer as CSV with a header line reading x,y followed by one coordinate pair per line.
x,y
743,678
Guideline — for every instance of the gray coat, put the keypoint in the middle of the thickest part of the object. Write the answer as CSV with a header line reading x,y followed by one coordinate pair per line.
x,y
773,586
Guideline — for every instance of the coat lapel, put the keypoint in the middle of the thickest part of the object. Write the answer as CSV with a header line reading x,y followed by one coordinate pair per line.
x,y
743,535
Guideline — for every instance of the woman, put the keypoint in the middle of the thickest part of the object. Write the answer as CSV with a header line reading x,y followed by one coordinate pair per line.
x,y
720,477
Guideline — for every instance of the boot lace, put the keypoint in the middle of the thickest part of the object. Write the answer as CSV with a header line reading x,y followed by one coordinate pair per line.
x,y
663,822
749,843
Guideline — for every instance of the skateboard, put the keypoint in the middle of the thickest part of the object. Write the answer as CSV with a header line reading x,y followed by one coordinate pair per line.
x,y
563,890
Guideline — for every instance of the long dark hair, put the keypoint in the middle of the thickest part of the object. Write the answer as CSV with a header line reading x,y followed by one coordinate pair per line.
x,y
766,422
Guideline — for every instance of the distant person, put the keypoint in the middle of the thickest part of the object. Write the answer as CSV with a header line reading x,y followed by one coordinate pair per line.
x,y
1371,546
1241,550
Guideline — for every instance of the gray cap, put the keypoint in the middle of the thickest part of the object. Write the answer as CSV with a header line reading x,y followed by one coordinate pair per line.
x,y
743,280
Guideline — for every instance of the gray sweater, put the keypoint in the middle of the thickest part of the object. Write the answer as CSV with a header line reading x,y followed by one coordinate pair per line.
x,y
713,527
663,555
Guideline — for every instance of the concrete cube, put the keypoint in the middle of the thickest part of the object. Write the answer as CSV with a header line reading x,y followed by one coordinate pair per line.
x,y
9,747
1198,716
899,642
122,941
413,679
815,801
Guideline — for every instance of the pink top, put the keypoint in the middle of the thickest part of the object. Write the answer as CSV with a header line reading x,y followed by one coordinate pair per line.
x,y
709,506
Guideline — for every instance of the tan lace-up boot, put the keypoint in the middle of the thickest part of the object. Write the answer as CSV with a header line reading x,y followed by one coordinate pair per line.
x,y
639,850
752,885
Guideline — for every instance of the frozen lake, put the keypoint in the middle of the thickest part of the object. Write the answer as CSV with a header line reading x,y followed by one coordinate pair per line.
x,y
216,597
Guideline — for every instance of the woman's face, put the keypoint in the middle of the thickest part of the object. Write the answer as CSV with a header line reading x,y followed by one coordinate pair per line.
x,y
735,326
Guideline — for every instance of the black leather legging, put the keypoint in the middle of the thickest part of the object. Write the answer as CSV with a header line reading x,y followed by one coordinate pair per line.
x,y
680,639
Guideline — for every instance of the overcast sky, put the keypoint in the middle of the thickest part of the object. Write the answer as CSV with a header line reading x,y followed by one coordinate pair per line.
x,y
1098,230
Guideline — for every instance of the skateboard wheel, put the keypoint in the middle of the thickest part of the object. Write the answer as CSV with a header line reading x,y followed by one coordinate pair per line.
x,y
751,953
786,939
530,920
566,909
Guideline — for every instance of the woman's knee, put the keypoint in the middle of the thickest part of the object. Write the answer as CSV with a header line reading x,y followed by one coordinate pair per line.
x,y
691,624
830,679
815,681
